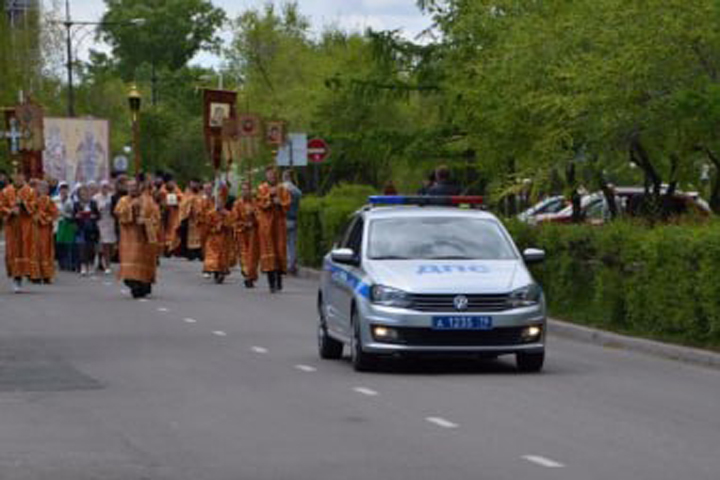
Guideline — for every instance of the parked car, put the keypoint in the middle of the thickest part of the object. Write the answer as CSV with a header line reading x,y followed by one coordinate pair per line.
x,y
630,201
547,206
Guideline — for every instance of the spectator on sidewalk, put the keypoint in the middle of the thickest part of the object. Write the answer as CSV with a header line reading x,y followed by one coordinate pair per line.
x,y
444,186
66,230
106,226
292,220
86,214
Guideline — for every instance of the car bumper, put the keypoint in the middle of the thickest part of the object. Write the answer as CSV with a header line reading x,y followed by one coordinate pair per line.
x,y
414,334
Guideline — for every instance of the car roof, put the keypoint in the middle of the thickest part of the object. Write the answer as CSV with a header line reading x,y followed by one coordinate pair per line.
x,y
406,211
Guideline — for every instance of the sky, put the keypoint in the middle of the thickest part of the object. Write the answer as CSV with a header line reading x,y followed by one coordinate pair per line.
x,y
347,14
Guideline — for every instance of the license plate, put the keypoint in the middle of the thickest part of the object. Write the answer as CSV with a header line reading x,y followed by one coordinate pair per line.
x,y
461,322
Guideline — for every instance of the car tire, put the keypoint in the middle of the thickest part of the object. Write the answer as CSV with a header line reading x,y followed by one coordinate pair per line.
x,y
530,362
328,347
361,360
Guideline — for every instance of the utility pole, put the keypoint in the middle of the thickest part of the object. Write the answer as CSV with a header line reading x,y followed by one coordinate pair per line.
x,y
68,39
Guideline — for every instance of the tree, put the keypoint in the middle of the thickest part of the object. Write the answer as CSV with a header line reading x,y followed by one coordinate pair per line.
x,y
172,32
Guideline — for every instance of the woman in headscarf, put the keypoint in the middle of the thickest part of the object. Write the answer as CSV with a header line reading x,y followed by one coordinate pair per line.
x,y
86,214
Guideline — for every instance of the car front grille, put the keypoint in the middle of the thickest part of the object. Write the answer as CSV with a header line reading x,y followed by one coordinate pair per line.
x,y
446,303
497,337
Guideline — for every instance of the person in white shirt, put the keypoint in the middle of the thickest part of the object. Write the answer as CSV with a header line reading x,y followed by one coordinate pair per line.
x,y
106,225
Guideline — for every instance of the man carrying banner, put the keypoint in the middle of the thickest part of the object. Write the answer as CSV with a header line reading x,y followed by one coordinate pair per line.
x,y
245,214
273,202
139,218
18,207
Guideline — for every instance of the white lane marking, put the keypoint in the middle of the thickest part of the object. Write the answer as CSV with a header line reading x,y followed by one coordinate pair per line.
x,y
441,422
107,284
366,391
306,368
163,309
220,333
144,300
259,350
190,320
542,461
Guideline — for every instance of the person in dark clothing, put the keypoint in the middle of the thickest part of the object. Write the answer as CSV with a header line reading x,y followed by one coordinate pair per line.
x,y
444,187
86,214
427,184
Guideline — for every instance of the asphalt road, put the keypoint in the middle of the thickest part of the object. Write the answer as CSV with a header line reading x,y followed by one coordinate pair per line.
x,y
214,382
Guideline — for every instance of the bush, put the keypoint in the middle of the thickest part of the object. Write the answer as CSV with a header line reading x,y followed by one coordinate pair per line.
x,y
322,219
658,282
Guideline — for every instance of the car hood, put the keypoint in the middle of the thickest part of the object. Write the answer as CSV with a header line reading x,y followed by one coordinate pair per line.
x,y
457,276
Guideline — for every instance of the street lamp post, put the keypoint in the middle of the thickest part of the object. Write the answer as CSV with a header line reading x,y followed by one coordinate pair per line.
x,y
69,24
134,100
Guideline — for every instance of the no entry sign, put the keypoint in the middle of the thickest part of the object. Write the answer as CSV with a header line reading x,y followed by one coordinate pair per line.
x,y
318,150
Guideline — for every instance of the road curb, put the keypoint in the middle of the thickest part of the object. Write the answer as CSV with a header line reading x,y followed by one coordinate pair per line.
x,y
650,347
608,339
309,273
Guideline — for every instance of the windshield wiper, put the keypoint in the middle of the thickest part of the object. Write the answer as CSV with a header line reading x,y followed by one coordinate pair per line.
x,y
451,257
390,257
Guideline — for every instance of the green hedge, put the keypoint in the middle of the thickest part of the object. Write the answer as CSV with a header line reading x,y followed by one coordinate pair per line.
x,y
322,219
660,282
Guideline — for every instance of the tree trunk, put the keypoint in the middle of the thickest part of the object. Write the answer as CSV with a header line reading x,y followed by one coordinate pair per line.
x,y
575,198
714,199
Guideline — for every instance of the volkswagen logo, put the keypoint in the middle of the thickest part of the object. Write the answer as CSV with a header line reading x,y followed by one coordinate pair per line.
x,y
461,303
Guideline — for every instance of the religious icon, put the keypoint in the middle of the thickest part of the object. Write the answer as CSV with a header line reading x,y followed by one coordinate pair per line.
x,y
218,113
90,155
274,133
249,126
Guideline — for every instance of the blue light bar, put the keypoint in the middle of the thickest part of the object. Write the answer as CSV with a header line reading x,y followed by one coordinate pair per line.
x,y
424,200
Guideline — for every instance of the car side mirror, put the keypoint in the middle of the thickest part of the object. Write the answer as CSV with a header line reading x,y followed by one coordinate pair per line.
x,y
534,255
345,256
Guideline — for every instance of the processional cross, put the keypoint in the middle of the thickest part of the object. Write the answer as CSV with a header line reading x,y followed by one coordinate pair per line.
x,y
14,135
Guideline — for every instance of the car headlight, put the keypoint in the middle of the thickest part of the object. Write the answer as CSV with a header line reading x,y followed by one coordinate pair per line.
x,y
525,297
389,297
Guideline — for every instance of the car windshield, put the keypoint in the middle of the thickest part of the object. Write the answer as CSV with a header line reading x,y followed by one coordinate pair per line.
x,y
438,238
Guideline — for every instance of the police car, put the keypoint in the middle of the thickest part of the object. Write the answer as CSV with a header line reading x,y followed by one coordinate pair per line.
x,y
418,275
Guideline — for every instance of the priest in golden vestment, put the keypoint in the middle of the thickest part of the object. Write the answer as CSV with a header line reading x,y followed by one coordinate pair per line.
x,y
220,240
171,200
47,213
273,202
18,207
139,217
246,225
191,222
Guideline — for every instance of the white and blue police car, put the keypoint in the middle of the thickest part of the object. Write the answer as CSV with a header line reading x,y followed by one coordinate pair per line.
x,y
418,275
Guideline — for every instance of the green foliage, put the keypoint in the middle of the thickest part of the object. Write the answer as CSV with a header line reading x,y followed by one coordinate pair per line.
x,y
322,219
172,32
656,282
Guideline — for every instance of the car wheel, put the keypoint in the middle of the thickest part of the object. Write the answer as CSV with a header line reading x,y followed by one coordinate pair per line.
x,y
361,360
530,362
328,347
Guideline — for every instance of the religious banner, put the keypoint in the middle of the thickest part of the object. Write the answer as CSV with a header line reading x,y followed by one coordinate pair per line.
x,y
77,149
219,106
231,142
275,133
22,139
250,133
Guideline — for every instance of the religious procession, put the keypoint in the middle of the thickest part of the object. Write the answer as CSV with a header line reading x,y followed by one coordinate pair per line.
x,y
140,220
